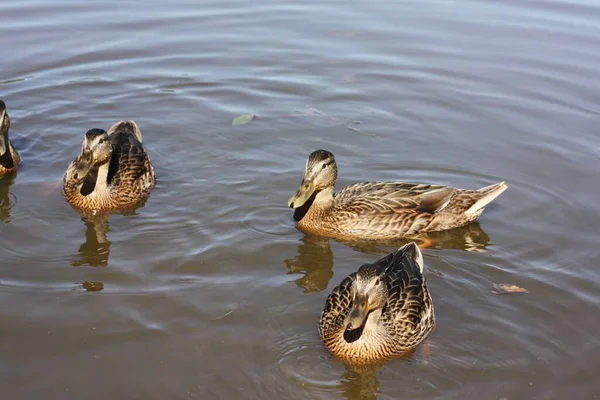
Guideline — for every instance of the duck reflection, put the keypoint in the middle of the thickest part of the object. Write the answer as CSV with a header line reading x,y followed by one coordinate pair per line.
x,y
315,261
360,383
7,200
315,258
470,238
96,248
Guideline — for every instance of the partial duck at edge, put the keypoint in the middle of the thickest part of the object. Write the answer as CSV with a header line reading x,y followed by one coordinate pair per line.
x,y
9,157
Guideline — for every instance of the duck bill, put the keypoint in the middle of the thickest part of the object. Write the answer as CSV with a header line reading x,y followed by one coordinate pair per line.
x,y
84,164
357,315
302,195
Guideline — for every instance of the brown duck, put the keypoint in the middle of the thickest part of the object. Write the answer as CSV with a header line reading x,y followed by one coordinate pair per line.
x,y
9,158
112,172
381,311
381,210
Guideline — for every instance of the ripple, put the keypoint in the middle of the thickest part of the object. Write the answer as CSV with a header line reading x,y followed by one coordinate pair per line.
x,y
274,222
303,359
35,286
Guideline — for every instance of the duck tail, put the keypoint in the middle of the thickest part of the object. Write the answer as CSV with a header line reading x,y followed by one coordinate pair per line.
x,y
488,194
410,257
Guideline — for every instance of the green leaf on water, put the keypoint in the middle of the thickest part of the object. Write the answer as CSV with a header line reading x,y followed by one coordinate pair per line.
x,y
243,119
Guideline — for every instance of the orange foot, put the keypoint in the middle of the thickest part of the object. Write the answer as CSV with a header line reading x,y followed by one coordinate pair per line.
x,y
426,243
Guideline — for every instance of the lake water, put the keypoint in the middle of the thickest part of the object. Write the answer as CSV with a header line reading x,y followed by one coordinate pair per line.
x,y
208,291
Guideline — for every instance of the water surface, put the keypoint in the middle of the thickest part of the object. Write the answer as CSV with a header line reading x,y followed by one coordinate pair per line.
x,y
208,291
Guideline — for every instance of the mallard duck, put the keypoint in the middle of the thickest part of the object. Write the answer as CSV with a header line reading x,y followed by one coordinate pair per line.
x,y
381,210
113,170
9,158
381,311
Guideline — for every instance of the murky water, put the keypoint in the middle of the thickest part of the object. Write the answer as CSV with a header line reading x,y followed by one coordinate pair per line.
x,y
208,290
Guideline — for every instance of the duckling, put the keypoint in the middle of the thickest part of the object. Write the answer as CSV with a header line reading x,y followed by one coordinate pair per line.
x,y
381,311
381,210
9,158
113,170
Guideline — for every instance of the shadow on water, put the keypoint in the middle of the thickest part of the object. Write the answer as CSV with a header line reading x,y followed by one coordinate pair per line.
x,y
315,258
7,199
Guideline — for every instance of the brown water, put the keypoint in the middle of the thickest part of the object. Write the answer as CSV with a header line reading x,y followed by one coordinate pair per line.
x,y
208,290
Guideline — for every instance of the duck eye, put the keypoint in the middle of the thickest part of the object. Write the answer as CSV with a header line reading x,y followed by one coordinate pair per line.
x,y
101,141
377,282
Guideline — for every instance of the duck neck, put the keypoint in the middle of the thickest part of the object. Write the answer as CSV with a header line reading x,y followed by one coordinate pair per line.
x,y
322,203
319,204
324,199
102,179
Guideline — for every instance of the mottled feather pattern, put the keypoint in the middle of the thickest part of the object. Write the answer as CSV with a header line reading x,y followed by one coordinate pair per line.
x,y
375,209
406,318
130,177
390,210
130,173
337,306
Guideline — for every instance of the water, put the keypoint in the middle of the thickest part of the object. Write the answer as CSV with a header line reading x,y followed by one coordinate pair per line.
x,y
208,291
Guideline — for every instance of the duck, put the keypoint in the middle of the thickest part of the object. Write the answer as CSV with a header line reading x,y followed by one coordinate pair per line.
x,y
9,157
113,170
381,210
383,310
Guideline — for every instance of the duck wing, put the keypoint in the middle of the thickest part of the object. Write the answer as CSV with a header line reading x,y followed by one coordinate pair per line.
x,y
395,207
391,197
337,306
409,307
129,164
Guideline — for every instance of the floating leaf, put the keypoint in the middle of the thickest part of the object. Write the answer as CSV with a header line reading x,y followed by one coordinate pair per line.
x,y
243,119
505,288
92,286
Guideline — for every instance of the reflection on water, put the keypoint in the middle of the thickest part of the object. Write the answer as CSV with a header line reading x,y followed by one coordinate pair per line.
x,y
470,238
7,199
315,261
456,93
96,248
315,258
360,384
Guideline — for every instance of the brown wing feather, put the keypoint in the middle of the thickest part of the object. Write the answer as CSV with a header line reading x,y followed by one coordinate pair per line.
x,y
405,207
408,312
130,171
337,306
